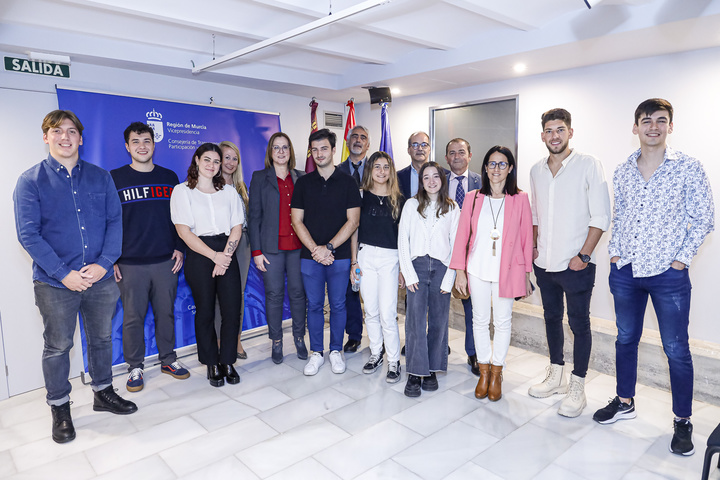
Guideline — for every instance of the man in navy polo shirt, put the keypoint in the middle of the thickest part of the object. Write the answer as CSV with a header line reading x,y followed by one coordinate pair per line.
x,y
69,220
146,271
325,212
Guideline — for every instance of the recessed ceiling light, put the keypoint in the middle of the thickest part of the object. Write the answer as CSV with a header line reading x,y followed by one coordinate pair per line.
x,y
520,67
395,91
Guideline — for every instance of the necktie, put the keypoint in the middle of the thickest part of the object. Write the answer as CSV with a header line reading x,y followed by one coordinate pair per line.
x,y
356,173
460,192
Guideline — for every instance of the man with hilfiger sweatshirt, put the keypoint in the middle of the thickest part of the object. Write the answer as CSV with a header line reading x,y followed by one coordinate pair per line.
x,y
152,256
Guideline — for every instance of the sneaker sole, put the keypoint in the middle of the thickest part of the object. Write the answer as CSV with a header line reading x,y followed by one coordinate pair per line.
x,y
134,389
334,370
368,371
559,390
619,416
392,380
179,377
684,454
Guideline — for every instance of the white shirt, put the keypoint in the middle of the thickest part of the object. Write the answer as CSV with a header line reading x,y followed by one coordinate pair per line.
x,y
206,214
565,206
481,262
431,236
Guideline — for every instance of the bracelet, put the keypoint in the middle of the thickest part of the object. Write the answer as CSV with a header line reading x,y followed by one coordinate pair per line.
x,y
214,257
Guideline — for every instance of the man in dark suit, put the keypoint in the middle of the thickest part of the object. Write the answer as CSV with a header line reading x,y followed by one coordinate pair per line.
x,y
460,181
354,165
419,151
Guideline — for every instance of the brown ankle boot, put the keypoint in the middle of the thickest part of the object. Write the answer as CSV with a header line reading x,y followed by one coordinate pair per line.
x,y
495,387
481,390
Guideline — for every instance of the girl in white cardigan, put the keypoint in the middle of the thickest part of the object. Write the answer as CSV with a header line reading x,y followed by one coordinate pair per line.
x,y
427,234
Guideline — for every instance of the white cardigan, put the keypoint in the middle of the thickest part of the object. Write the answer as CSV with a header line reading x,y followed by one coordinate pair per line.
x,y
431,236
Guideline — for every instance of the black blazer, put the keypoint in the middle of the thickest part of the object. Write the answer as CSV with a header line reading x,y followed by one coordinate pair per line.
x,y
264,209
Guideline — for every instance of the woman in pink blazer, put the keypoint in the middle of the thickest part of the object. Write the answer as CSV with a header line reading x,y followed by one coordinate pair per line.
x,y
494,245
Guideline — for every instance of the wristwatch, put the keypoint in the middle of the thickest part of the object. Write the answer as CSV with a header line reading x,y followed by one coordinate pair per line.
x,y
584,258
330,247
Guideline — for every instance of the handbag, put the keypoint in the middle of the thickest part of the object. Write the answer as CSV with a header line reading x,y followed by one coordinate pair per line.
x,y
455,292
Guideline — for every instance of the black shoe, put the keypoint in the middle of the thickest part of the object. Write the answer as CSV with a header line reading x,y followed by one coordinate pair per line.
x,y
412,387
63,430
302,351
229,372
402,351
615,410
214,374
277,352
430,384
108,401
373,363
472,361
351,346
681,443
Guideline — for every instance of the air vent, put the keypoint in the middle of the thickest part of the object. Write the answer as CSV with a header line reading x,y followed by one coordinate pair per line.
x,y
333,120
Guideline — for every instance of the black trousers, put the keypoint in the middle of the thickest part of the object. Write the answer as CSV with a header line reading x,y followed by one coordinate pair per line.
x,y
228,291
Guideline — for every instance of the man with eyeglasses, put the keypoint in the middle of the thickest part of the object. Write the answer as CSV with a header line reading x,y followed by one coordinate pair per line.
x,y
571,210
460,181
354,166
419,151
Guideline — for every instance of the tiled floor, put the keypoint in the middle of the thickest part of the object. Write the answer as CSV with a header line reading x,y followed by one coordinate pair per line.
x,y
279,424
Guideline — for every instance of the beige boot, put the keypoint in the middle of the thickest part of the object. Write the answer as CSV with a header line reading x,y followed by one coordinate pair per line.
x,y
481,390
574,402
554,383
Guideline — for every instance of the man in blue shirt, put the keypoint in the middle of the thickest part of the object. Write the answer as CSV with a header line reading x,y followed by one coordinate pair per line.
x,y
68,218
663,211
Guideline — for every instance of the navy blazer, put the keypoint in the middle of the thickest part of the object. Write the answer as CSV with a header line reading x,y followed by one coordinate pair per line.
x,y
345,167
264,209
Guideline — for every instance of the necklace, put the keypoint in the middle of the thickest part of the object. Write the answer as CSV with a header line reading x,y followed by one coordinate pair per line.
x,y
495,233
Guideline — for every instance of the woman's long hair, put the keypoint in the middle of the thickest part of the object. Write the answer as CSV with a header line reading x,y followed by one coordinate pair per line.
x,y
444,202
395,197
268,152
510,187
237,176
193,172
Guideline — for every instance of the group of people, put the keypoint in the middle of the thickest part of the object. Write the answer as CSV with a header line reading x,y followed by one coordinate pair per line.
x,y
364,227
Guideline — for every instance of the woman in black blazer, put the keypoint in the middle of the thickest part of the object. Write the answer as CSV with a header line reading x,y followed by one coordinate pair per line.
x,y
274,245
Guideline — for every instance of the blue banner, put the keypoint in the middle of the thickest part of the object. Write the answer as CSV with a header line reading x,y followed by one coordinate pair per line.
x,y
180,128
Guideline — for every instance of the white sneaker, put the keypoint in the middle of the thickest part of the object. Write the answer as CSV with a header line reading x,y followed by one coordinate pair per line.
x,y
574,402
554,383
336,362
313,365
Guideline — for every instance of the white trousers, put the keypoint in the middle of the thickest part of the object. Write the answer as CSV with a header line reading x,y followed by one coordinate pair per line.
x,y
484,294
379,290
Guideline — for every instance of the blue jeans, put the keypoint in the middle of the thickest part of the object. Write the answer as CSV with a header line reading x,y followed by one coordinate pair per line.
x,y
315,277
576,287
670,294
426,322
354,324
59,308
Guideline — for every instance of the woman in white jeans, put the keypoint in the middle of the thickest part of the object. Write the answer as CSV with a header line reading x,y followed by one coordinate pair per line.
x,y
494,244
375,258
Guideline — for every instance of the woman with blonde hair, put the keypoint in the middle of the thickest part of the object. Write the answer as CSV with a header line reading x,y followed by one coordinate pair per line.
x,y
374,259
274,246
233,175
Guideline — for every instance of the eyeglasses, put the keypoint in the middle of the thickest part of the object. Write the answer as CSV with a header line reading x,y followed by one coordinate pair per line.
x,y
277,148
417,145
501,165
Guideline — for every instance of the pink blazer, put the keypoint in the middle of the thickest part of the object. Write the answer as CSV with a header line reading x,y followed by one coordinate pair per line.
x,y
517,246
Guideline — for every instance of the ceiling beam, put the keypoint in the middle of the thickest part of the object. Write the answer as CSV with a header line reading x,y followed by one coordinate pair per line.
x,y
470,6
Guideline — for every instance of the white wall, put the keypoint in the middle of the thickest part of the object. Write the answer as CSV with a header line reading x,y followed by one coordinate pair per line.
x,y
602,100
26,99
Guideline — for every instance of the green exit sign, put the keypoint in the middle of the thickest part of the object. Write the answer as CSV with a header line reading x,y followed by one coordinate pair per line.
x,y
39,68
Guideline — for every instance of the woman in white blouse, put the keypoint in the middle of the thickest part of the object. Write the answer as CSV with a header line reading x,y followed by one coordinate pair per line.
x,y
208,216
233,175
427,233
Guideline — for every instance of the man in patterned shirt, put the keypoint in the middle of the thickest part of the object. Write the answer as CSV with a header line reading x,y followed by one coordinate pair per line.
x,y
663,211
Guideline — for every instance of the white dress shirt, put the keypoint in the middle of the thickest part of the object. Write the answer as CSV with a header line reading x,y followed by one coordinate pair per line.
x,y
206,214
431,236
565,206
